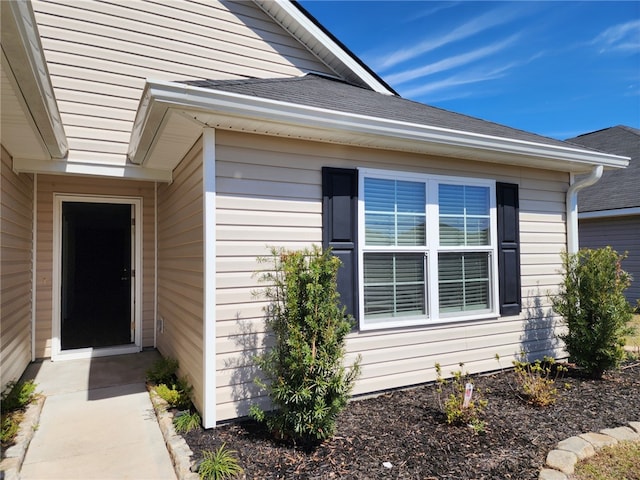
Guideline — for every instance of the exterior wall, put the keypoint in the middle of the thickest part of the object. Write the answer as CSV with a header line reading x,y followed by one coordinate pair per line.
x,y
623,235
100,53
181,269
48,185
16,243
269,193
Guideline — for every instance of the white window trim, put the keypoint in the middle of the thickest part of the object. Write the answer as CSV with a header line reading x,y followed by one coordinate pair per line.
x,y
432,249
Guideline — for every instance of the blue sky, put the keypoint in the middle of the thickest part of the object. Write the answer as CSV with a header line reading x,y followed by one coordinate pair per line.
x,y
558,69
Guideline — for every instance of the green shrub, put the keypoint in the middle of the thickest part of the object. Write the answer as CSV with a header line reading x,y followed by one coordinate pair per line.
x,y
164,371
305,377
219,465
177,395
9,428
592,303
17,395
453,405
186,421
536,381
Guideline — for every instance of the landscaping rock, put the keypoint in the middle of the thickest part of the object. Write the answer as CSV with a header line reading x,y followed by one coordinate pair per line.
x,y
579,446
621,433
599,440
562,460
635,426
549,474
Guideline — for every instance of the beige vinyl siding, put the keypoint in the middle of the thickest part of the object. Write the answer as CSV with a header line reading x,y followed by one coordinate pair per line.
x,y
48,186
16,252
623,235
181,269
99,55
269,193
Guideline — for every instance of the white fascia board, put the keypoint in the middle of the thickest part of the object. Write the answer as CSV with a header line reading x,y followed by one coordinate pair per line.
x,y
617,212
159,96
292,13
63,167
23,49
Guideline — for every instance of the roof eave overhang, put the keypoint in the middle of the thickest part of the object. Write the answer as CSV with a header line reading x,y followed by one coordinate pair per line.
x,y
171,116
25,66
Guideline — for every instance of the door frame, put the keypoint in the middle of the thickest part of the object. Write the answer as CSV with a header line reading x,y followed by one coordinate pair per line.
x,y
136,299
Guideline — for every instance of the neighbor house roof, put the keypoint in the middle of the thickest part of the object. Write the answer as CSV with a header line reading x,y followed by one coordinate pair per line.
x,y
617,189
315,107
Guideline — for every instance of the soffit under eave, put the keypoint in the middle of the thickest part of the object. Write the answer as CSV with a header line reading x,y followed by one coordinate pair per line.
x,y
180,128
30,94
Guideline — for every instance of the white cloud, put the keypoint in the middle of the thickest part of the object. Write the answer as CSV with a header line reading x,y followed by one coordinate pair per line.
x,y
621,37
449,63
476,25
456,80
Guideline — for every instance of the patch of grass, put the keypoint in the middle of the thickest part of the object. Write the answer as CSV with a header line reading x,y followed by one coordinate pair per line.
x,y
17,395
633,340
186,421
219,465
619,462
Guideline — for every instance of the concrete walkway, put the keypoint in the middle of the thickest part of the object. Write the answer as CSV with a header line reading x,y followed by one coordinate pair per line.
x,y
97,422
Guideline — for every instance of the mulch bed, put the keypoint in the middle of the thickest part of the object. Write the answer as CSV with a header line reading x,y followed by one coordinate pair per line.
x,y
406,429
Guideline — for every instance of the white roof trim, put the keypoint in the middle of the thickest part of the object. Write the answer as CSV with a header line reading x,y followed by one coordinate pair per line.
x,y
617,212
289,17
24,53
63,167
233,111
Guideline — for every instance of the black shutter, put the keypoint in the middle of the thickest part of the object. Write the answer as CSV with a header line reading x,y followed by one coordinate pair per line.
x,y
340,229
509,249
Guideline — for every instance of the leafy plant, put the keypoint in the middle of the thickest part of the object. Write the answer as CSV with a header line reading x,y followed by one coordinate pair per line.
x,y
164,371
9,428
219,465
536,381
454,407
177,395
304,373
17,395
186,421
592,303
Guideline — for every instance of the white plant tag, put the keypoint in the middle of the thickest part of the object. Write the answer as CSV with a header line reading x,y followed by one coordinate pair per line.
x,y
468,392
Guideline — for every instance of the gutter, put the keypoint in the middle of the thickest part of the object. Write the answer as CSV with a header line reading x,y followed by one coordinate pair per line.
x,y
572,207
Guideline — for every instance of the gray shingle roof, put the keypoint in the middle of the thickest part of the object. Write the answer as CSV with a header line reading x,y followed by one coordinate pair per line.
x,y
617,188
332,94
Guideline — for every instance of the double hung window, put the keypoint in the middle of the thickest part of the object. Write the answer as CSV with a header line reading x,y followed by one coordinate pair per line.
x,y
427,249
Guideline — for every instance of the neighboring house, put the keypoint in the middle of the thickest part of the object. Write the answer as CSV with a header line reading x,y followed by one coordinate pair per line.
x,y
152,150
609,210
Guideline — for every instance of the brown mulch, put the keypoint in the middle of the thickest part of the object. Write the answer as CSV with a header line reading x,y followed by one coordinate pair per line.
x,y
406,429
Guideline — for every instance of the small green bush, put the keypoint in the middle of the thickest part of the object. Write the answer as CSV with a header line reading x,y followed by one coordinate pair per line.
x,y
164,371
305,377
593,306
9,428
186,421
452,406
219,465
17,395
177,395
536,381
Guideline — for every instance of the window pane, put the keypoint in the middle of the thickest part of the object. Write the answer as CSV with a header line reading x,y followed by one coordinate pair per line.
x,y
451,199
394,212
463,282
379,195
464,215
394,285
379,229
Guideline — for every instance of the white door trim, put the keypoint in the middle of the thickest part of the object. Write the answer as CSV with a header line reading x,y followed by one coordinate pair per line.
x,y
56,345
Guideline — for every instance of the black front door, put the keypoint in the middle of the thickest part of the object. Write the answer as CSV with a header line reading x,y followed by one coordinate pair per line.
x,y
96,275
